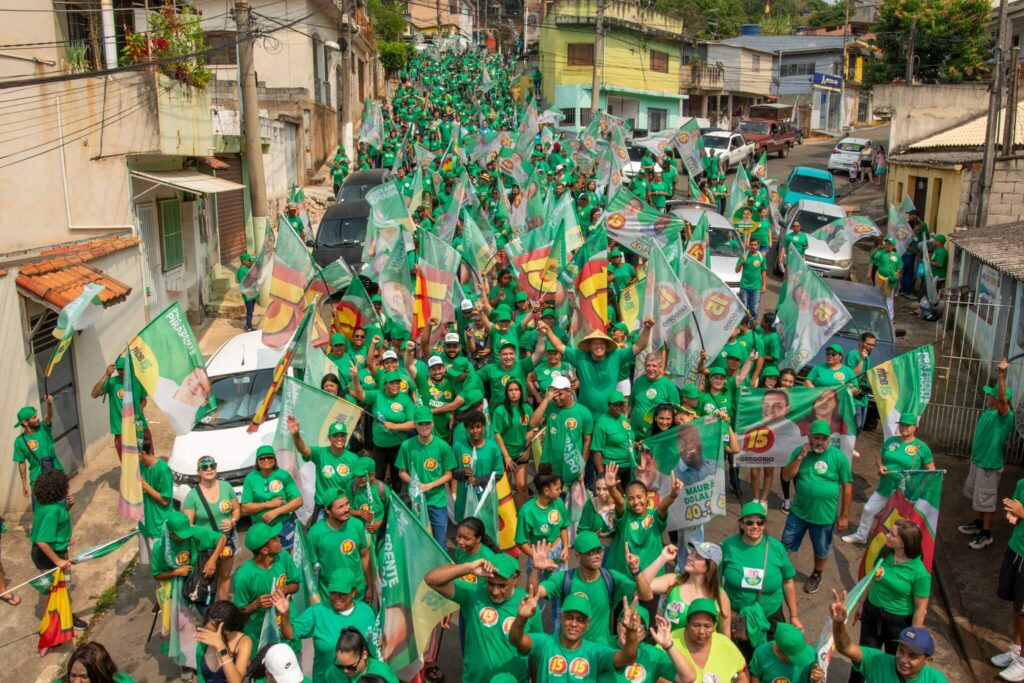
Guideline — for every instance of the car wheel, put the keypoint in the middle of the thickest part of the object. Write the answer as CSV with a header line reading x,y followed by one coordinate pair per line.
x,y
784,151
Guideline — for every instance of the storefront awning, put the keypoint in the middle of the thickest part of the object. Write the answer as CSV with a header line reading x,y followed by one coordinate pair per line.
x,y
189,181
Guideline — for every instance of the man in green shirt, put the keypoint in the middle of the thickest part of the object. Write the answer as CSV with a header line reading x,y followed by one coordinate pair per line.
x,y
435,391
508,366
157,490
111,386
333,462
649,390
613,439
753,276
245,261
565,421
886,263
787,658
824,483
987,459
939,256
33,448
255,581
338,542
431,461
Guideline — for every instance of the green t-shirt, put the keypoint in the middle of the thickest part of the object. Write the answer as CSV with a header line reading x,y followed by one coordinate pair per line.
x,y
597,592
798,240
373,666
887,264
598,378
818,482
591,520
153,513
259,489
990,436
645,396
770,669
554,663
487,623
879,667
535,523
512,424
762,233
1017,537
744,569
621,275
251,581
397,408
34,448
660,192
652,664
51,524
435,395
614,439
335,549
182,553
323,624
896,456
545,374
643,534
572,423
221,509
113,389
370,497
752,265
772,348
940,262
896,585
851,360
498,377
332,472
824,376
429,462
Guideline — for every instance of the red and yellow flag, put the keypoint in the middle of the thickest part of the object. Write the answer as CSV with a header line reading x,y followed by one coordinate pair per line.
x,y
56,626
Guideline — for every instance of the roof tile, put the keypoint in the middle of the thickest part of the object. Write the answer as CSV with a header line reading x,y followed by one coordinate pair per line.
x,y
61,273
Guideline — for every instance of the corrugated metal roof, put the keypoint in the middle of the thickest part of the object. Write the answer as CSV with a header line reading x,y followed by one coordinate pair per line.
x,y
787,43
971,134
989,245
189,181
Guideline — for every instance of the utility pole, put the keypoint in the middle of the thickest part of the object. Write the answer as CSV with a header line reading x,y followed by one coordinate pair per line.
x,y
845,70
345,134
438,6
909,77
250,111
1010,115
992,125
595,86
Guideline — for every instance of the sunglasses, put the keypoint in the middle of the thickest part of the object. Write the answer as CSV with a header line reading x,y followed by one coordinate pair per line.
x,y
351,668
207,467
754,522
832,353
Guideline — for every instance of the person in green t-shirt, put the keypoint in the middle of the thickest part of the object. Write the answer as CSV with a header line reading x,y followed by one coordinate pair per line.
x,y
544,518
269,569
435,390
753,276
111,387
392,412
431,461
338,541
269,494
157,491
91,662
824,484
216,497
639,526
33,448
988,454
859,360
512,433
939,257
51,523
833,372
566,423
887,265
657,661
620,273
795,236
245,261
613,438
915,648
333,462
787,658
353,660
508,366
478,460
649,390
176,554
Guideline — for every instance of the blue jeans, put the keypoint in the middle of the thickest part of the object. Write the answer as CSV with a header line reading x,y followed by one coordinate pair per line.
x,y
439,525
751,298
821,536
859,417
908,274
250,306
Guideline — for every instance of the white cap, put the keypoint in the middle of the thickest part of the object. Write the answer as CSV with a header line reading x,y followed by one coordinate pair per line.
x,y
434,360
282,664
560,382
466,305
389,355
452,338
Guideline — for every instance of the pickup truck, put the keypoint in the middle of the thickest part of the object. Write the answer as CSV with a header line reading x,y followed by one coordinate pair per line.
x,y
769,135
731,149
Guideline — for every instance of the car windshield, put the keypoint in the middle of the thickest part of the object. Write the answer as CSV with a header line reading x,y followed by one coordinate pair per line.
x,y
811,186
636,153
724,242
338,232
849,147
238,396
755,127
811,221
867,319
716,141
354,191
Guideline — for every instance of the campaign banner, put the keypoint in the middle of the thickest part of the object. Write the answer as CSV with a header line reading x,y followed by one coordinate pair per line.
x,y
694,453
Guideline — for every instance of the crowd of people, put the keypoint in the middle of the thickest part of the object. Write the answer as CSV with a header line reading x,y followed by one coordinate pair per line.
x,y
615,595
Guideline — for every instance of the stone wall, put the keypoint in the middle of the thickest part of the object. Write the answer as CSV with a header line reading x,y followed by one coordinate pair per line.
x,y
1006,200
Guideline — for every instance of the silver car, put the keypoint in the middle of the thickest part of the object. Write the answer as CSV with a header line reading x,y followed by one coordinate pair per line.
x,y
726,243
813,215
846,153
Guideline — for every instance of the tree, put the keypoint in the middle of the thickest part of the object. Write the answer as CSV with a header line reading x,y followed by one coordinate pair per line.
x,y
951,42
387,19
828,15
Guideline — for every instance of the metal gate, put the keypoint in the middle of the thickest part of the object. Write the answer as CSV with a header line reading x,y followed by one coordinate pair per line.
x,y
231,214
957,400
67,436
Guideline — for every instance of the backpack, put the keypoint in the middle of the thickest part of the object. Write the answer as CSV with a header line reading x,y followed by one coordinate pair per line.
x,y
609,584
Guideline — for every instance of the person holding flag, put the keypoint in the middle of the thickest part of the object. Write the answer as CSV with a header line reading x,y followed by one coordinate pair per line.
x,y
334,463
338,542
431,461
51,526
269,569
33,448
886,263
111,386
369,497
158,489
859,359
248,298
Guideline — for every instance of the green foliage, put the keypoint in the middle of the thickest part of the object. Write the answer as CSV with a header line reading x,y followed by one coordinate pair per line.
x,y
387,19
951,44
76,56
172,33
722,18
828,15
394,54
777,26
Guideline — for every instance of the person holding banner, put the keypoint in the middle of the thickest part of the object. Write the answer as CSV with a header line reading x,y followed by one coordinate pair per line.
x,y
111,385
860,360
33,448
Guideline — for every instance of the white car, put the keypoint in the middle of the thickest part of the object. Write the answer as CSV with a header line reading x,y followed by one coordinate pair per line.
x,y
813,215
846,153
240,373
633,167
730,148
725,241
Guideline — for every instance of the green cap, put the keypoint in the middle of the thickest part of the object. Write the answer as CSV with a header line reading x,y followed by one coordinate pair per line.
x,y
586,541
504,565
548,346
375,299
265,451
338,339
753,508
770,371
988,391
820,428
614,253
337,428
502,315
908,419
260,534
342,581
393,376
737,351
423,415
615,396
505,342
334,494
205,460
520,296
26,413
363,467
941,239
119,363
706,605
791,643
178,525
689,391
578,602
644,615
836,348
458,366
621,327
246,256
717,369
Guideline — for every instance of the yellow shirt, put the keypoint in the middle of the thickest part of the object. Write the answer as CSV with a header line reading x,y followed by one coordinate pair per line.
x,y
725,659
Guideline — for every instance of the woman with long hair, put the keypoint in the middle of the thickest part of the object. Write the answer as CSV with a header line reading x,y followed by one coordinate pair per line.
x,y
331,384
352,656
213,504
511,423
223,651
698,579
51,526
472,541
91,663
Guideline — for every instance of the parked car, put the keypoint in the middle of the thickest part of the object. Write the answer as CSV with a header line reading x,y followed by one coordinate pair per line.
x,y
806,182
846,153
724,241
813,215
357,184
341,233
633,167
768,135
730,148
240,373
868,313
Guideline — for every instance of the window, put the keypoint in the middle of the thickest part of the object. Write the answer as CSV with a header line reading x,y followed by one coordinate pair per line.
x,y
223,48
806,69
586,116
580,54
755,64
656,119
570,117
319,70
659,61
453,7
172,246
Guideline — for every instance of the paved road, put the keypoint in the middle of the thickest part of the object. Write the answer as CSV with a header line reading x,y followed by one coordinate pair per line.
x,y
816,153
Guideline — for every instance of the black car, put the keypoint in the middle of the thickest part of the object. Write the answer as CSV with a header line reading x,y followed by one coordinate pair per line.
x,y
341,233
357,184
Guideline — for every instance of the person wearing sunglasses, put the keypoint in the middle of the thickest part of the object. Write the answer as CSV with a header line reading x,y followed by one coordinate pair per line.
x,y
270,495
833,372
213,504
758,578
352,660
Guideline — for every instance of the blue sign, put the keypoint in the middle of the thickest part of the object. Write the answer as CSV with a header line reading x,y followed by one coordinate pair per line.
x,y
828,82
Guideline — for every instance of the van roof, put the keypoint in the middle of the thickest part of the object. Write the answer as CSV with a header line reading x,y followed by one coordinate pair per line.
x,y
241,353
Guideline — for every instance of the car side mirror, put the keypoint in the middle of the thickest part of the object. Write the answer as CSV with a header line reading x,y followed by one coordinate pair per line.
x,y
310,243
901,333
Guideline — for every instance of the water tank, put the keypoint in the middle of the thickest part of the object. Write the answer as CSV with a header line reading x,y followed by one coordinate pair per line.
x,y
750,29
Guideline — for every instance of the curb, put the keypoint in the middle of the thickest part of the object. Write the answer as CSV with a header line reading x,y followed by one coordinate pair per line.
x,y
971,654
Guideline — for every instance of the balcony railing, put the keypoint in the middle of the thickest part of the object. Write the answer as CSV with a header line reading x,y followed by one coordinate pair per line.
x,y
702,77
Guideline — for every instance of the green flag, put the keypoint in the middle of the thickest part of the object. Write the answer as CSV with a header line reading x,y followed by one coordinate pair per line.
x,y
809,313
396,291
699,246
930,281
738,193
902,385
371,126
478,247
167,362
694,453
666,302
760,170
337,275
586,277
388,228
695,193
308,593
843,231
83,312
355,309
637,226
690,145
917,498
716,313
254,280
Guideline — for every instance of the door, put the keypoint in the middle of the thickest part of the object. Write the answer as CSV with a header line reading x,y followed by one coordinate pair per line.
x,y
231,214
291,152
150,231
67,435
920,193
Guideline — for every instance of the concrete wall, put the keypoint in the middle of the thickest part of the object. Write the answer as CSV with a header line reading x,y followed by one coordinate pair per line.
x,y
943,210
922,110
738,64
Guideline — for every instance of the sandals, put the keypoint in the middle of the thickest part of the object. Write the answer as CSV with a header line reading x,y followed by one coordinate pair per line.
x,y
10,599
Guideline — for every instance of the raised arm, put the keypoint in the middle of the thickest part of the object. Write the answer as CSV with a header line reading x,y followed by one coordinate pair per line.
x,y
673,495
409,354
645,336
442,579
843,644
626,654
611,477
517,634
300,445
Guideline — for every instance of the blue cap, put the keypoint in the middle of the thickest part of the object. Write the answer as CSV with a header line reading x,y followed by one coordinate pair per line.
x,y
918,639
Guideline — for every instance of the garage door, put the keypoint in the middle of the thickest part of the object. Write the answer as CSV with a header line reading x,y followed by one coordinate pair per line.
x,y
231,214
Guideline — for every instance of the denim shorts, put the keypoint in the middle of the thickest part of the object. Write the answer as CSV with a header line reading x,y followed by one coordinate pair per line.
x,y
821,535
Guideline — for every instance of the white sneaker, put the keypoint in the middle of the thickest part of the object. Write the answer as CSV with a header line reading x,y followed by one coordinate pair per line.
x,y
1014,672
1005,659
854,538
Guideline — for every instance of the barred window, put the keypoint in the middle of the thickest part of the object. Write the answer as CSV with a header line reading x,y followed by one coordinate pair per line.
x,y
659,61
580,54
